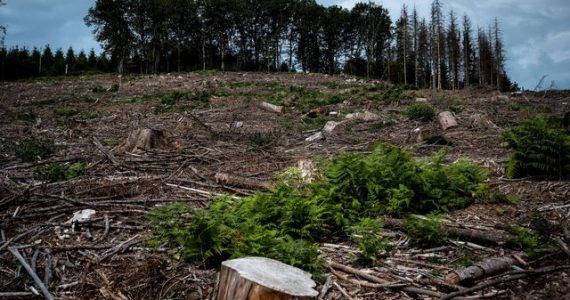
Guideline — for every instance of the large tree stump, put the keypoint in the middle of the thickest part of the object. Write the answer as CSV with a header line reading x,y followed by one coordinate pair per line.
x,y
257,278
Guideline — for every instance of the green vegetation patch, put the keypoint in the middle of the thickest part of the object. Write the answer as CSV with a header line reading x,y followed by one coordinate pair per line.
x,y
288,222
540,148
421,112
57,171
33,148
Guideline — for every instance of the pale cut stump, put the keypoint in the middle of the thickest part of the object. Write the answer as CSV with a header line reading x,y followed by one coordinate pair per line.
x,y
257,278
447,120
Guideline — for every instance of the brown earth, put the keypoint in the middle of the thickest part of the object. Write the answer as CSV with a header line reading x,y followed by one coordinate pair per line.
x,y
106,257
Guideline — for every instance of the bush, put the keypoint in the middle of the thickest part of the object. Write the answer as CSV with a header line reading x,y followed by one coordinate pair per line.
x,y
57,171
420,112
287,222
33,148
541,148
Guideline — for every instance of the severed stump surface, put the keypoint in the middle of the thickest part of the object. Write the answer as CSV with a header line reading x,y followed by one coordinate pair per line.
x,y
253,278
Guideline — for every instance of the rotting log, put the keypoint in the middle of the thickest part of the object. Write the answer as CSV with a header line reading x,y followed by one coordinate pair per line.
x,y
493,237
256,278
447,120
239,181
271,107
484,268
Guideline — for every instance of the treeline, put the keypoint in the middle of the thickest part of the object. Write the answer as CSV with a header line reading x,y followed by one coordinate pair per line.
x,y
437,51
21,63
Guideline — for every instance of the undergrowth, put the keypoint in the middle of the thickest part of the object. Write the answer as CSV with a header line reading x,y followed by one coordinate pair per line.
x,y
57,171
421,112
541,148
287,223
34,148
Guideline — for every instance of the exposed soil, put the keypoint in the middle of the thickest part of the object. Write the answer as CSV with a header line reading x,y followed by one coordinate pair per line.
x,y
106,257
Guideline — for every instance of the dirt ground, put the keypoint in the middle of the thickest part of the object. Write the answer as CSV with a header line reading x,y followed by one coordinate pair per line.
x,y
105,257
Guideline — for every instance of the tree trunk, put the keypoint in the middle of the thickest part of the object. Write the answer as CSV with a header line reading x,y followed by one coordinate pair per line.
x,y
256,278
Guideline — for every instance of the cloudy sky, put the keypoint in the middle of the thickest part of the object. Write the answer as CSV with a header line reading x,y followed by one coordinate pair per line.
x,y
536,33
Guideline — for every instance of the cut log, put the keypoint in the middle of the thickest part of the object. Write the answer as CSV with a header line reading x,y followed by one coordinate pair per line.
x,y
422,100
500,98
484,268
494,237
144,139
447,120
249,183
364,116
271,107
256,278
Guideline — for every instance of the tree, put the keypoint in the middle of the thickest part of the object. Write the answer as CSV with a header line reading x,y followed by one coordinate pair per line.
x,y
333,28
70,60
81,62
92,60
47,61
111,27
2,29
58,63
469,68
437,44
403,43
499,54
454,48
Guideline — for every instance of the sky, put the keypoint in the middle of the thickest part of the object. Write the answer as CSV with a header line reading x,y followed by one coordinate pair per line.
x,y
536,33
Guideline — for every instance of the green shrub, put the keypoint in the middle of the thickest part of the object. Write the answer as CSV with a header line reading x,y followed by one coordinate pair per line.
x,y
287,222
420,112
366,234
541,148
88,115
57,171
33,148
426,231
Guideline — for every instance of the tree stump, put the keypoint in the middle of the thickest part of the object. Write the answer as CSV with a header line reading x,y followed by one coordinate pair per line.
x,y
144,139
446,120
257,278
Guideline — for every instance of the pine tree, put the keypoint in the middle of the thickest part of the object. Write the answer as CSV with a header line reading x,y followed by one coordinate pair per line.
x,y
70,59
453,42
468,53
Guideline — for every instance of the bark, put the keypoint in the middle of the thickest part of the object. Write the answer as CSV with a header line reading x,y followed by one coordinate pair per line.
x,y
486,267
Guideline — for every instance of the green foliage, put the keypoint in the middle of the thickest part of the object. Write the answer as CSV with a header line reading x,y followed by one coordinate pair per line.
x,y
288,222
27,116
65,112
33,148
421,112
525,238
541,148
426,231
57,171
366,234
88,115
169,101
457,106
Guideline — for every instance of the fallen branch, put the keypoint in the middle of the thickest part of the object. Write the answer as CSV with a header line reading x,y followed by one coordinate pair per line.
x,y
511,277
33,274
405,288
489,266
485,236
242,182
108,154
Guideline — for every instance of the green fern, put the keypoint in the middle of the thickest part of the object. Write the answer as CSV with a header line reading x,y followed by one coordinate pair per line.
x,y
541,148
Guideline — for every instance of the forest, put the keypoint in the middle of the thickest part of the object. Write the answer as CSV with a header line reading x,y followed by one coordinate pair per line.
x,y
442,50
